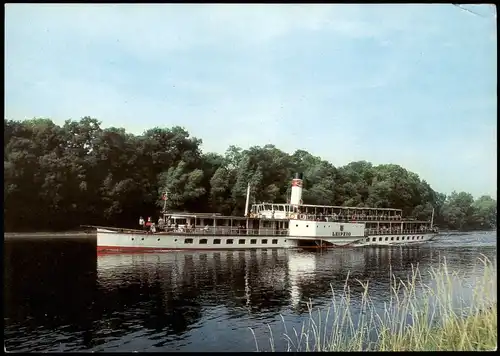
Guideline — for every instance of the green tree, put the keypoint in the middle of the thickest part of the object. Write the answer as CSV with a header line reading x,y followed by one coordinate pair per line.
x,y
58,177
484,213
458,210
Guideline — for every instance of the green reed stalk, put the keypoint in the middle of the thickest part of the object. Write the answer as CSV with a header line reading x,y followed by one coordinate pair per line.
x,y
437,324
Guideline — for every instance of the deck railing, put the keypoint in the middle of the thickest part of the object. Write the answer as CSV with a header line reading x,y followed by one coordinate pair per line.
x,y
225,231
362,217
346,218
232,231
399,231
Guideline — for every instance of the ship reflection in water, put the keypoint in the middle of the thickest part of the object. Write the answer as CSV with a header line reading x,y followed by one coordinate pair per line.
x,y
191,301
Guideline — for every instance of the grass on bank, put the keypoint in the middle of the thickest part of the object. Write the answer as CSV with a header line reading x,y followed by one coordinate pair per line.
x,y
417,317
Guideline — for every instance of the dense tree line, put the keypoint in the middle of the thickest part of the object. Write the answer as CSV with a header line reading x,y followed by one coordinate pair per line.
x,y
59,177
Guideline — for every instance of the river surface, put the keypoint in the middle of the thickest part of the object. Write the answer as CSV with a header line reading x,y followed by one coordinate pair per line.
x,y
60,296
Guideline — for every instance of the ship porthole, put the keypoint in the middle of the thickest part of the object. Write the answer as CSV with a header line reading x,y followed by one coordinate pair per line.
x,y
132,239
142,238
158,240
175,240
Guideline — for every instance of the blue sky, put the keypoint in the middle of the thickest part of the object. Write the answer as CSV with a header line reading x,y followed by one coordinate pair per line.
x,y
413,85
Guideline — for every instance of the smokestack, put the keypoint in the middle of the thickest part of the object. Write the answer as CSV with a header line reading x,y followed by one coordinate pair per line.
x,y
296,197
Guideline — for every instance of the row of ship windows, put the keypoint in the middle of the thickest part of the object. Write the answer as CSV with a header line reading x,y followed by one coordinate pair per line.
x,y
275,241
297,225
228,241
324,226
231,241
397,238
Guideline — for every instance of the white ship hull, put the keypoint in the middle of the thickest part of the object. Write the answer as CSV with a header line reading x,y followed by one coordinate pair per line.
x,y
109,241
113,241
403,239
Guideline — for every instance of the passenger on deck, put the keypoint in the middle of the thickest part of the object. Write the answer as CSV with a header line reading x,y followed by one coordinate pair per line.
x,y
153,228
161,223
206,228
141,222
148,224
189,227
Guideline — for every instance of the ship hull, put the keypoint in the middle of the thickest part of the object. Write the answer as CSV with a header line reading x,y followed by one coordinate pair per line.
x,y
403,239
109,241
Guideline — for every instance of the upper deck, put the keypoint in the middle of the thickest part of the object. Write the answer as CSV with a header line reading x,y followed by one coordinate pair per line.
x,y
314,212
217,224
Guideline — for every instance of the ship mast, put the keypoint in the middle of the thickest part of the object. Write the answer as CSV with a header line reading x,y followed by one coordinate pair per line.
x,y
248,200
164,197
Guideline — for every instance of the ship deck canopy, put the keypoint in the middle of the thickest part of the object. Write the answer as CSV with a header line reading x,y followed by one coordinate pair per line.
x,y
264,206
210,216
350,208
185,214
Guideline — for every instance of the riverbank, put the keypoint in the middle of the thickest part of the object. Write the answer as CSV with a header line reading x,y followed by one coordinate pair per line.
x,y
417,317
50,235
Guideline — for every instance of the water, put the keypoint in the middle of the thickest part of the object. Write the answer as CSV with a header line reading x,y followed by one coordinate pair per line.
x,y
60,296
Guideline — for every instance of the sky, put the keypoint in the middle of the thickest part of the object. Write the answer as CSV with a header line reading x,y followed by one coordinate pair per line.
x,y
413,85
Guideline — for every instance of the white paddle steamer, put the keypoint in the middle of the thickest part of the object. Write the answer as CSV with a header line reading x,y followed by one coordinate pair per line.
x,y
270,225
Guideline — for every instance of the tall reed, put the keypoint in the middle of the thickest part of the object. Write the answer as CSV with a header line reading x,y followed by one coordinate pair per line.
x,y
417,316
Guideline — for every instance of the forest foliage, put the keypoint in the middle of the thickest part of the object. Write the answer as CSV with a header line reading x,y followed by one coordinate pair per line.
x,y
60,177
